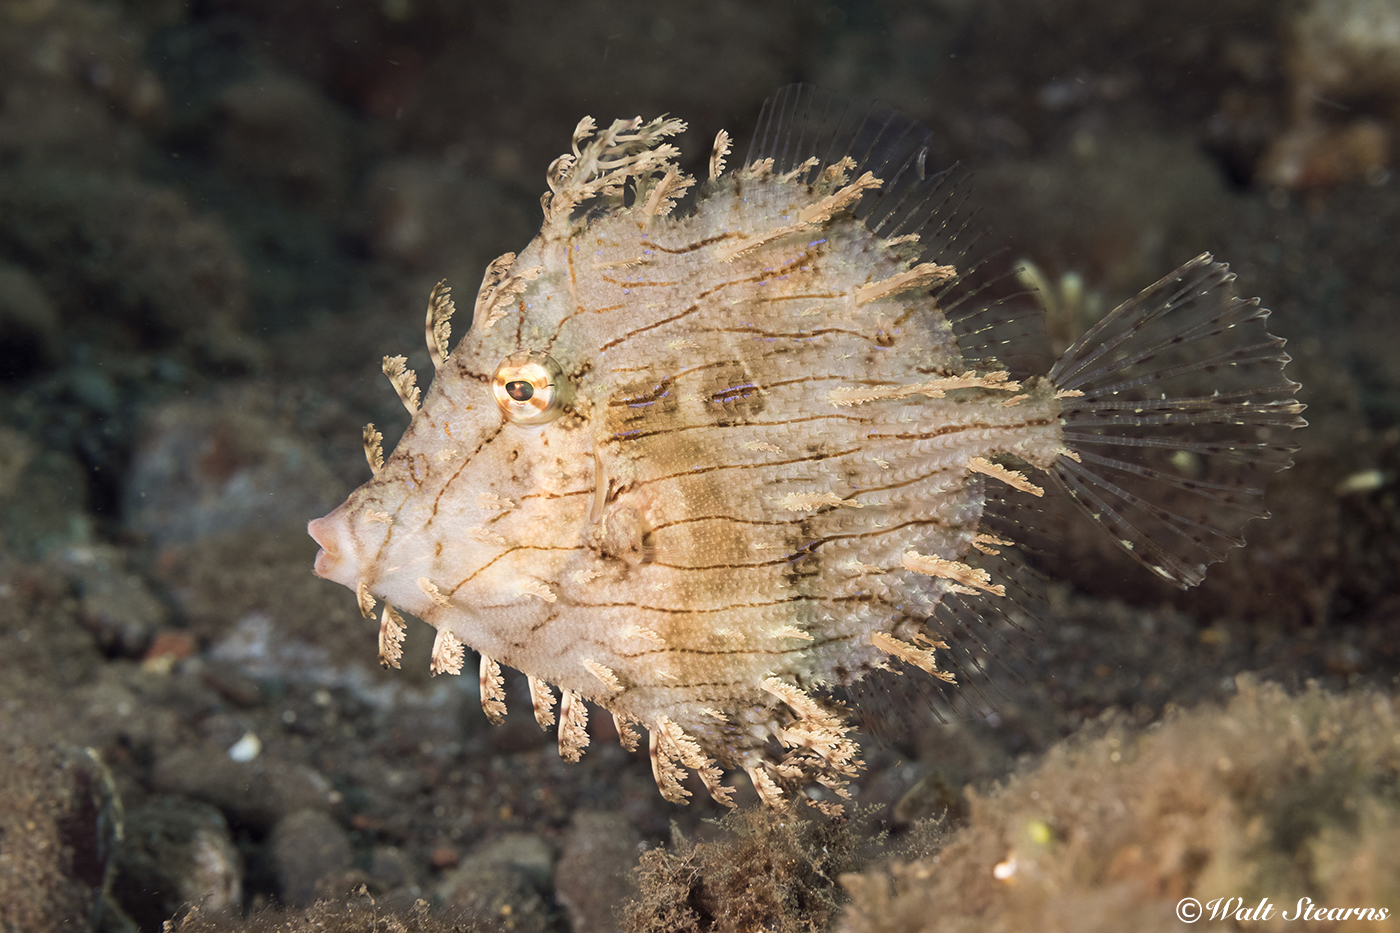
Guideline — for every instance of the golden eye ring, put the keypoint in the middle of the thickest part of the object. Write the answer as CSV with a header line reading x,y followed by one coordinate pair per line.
x,y
530,388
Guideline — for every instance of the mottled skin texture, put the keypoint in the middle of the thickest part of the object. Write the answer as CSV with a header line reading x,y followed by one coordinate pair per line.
x,y
697,470
646,529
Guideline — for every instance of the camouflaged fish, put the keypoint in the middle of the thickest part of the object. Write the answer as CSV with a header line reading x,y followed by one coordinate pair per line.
x,y
699,468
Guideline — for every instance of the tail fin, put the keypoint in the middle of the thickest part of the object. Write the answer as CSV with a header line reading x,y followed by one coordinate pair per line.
x,y
1182,414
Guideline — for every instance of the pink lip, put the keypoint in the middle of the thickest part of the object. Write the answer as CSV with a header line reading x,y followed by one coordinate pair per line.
x,y
323,532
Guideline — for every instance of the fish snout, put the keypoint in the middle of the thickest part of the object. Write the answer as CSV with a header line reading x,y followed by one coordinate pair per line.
x,y
333,561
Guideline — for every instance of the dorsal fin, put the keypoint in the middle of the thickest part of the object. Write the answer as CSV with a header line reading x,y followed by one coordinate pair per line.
x,y
998,324
801,122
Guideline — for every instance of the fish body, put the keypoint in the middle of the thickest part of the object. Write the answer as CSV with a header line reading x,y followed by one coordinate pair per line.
x,y
699,470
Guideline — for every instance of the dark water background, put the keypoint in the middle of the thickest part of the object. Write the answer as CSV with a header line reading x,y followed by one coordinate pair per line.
x,y
216,217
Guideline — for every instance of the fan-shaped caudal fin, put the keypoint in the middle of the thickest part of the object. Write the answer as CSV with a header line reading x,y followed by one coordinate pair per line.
x,y
1176,411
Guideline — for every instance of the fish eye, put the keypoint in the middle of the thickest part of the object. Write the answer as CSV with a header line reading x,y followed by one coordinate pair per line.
x,y
530,388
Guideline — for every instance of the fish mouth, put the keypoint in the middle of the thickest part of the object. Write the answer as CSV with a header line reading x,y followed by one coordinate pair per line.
x,y
329,532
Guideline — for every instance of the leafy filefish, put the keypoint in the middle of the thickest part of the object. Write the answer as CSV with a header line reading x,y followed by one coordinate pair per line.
x,y
702,467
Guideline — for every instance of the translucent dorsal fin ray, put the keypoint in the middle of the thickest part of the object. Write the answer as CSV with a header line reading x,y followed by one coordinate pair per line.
x,y
997,323
800,122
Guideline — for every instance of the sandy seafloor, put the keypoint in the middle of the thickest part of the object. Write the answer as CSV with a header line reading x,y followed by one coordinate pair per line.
x,y
217,217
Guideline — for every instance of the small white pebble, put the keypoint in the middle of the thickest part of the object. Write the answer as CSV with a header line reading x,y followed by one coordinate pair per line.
x,y
1364,481
246,748
1003,871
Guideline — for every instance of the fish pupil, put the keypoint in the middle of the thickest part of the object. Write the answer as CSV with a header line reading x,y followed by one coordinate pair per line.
x,y
520,390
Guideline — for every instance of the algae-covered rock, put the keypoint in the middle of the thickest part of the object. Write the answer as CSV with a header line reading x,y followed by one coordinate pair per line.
x,y
594,872
59,820
1273,797
503,883
129,256
764,870
311,852
177,852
